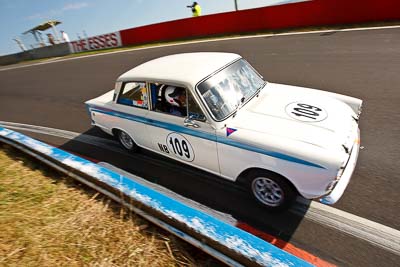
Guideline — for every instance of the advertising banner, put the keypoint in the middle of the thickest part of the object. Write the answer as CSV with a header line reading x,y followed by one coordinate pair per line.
x,y
103,41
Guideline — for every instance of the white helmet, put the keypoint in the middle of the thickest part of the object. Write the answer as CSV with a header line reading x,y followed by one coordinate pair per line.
x,y
172,95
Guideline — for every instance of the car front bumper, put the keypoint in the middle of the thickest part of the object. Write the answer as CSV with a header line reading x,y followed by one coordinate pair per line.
x,y
339,188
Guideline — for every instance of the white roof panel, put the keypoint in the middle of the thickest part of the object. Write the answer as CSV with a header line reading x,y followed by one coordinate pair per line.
x,y
187,68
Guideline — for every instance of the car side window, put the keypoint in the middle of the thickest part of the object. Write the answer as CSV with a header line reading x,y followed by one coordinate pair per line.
x,y
169,99
134,94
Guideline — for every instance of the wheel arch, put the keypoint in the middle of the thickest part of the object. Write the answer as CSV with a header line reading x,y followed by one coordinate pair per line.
x,y
115,131
243,177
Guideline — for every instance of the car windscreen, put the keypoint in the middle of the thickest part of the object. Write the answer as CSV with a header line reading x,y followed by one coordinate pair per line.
x,y
227,89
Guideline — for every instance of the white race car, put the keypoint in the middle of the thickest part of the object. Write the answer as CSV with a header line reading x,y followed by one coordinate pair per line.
x,y
215,112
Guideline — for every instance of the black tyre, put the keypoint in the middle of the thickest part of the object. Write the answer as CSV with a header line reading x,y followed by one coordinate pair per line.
x,y
270,190
126,141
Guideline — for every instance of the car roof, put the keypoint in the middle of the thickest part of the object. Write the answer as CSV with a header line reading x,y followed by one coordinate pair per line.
x,y
186,68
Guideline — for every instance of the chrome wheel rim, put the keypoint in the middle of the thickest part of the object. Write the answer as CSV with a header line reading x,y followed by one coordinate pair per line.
x,y
267,191
126,140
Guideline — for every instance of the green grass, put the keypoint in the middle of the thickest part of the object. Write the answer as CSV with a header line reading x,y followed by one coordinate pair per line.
x,y
47,219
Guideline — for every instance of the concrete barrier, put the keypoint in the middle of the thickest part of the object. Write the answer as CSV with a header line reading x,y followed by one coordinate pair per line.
x,y
57,50
15,58
221,240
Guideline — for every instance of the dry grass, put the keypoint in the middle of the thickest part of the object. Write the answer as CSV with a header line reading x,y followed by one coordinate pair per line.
x,y
49,220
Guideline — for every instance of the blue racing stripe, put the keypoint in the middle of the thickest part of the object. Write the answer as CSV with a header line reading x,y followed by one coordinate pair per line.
x,y
155,123
203,135
230,142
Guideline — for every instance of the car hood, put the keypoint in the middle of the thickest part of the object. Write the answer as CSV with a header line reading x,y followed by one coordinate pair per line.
x,y
283,111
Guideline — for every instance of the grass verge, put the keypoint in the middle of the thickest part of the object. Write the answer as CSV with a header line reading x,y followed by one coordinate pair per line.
x,y
47,219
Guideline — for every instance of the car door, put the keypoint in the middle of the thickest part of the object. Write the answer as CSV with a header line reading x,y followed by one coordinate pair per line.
x,y
185,137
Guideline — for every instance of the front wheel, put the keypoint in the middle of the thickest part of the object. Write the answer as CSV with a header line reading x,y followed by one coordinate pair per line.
x,y
271,190
126,141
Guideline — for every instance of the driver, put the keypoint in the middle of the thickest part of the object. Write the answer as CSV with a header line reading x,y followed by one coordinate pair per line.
x,y
176,98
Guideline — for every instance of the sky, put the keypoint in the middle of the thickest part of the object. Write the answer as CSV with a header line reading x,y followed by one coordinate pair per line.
x,y
94,17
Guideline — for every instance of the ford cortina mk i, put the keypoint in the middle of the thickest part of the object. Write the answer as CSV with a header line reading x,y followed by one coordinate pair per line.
x,y
215,112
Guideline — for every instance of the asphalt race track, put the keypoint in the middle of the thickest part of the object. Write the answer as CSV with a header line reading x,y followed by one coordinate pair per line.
x,y
364,64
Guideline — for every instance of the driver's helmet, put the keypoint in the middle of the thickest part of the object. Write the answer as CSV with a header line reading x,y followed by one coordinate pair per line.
x,y
172,94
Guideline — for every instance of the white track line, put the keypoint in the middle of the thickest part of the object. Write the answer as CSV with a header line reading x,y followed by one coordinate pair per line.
x,y
377,234
50,61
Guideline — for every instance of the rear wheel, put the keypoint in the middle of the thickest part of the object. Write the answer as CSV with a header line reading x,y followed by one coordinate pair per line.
x,y
126,141
270,190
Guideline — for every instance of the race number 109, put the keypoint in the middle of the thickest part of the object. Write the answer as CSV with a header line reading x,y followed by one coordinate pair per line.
x,y
180,147
306,112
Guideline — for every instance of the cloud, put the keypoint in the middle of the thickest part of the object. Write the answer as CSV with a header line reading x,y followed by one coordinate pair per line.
x,y
58,12
75,6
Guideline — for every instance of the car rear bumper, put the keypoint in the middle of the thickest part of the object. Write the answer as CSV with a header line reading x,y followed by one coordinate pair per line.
x,y
339,188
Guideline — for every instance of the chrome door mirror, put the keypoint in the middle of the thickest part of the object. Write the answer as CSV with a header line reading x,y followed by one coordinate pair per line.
x,y
188,122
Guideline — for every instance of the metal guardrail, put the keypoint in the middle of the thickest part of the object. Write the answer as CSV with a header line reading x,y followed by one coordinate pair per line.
x,y
225,242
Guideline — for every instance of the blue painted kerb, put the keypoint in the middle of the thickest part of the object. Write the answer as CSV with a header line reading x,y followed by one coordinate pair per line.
x,y
227,235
